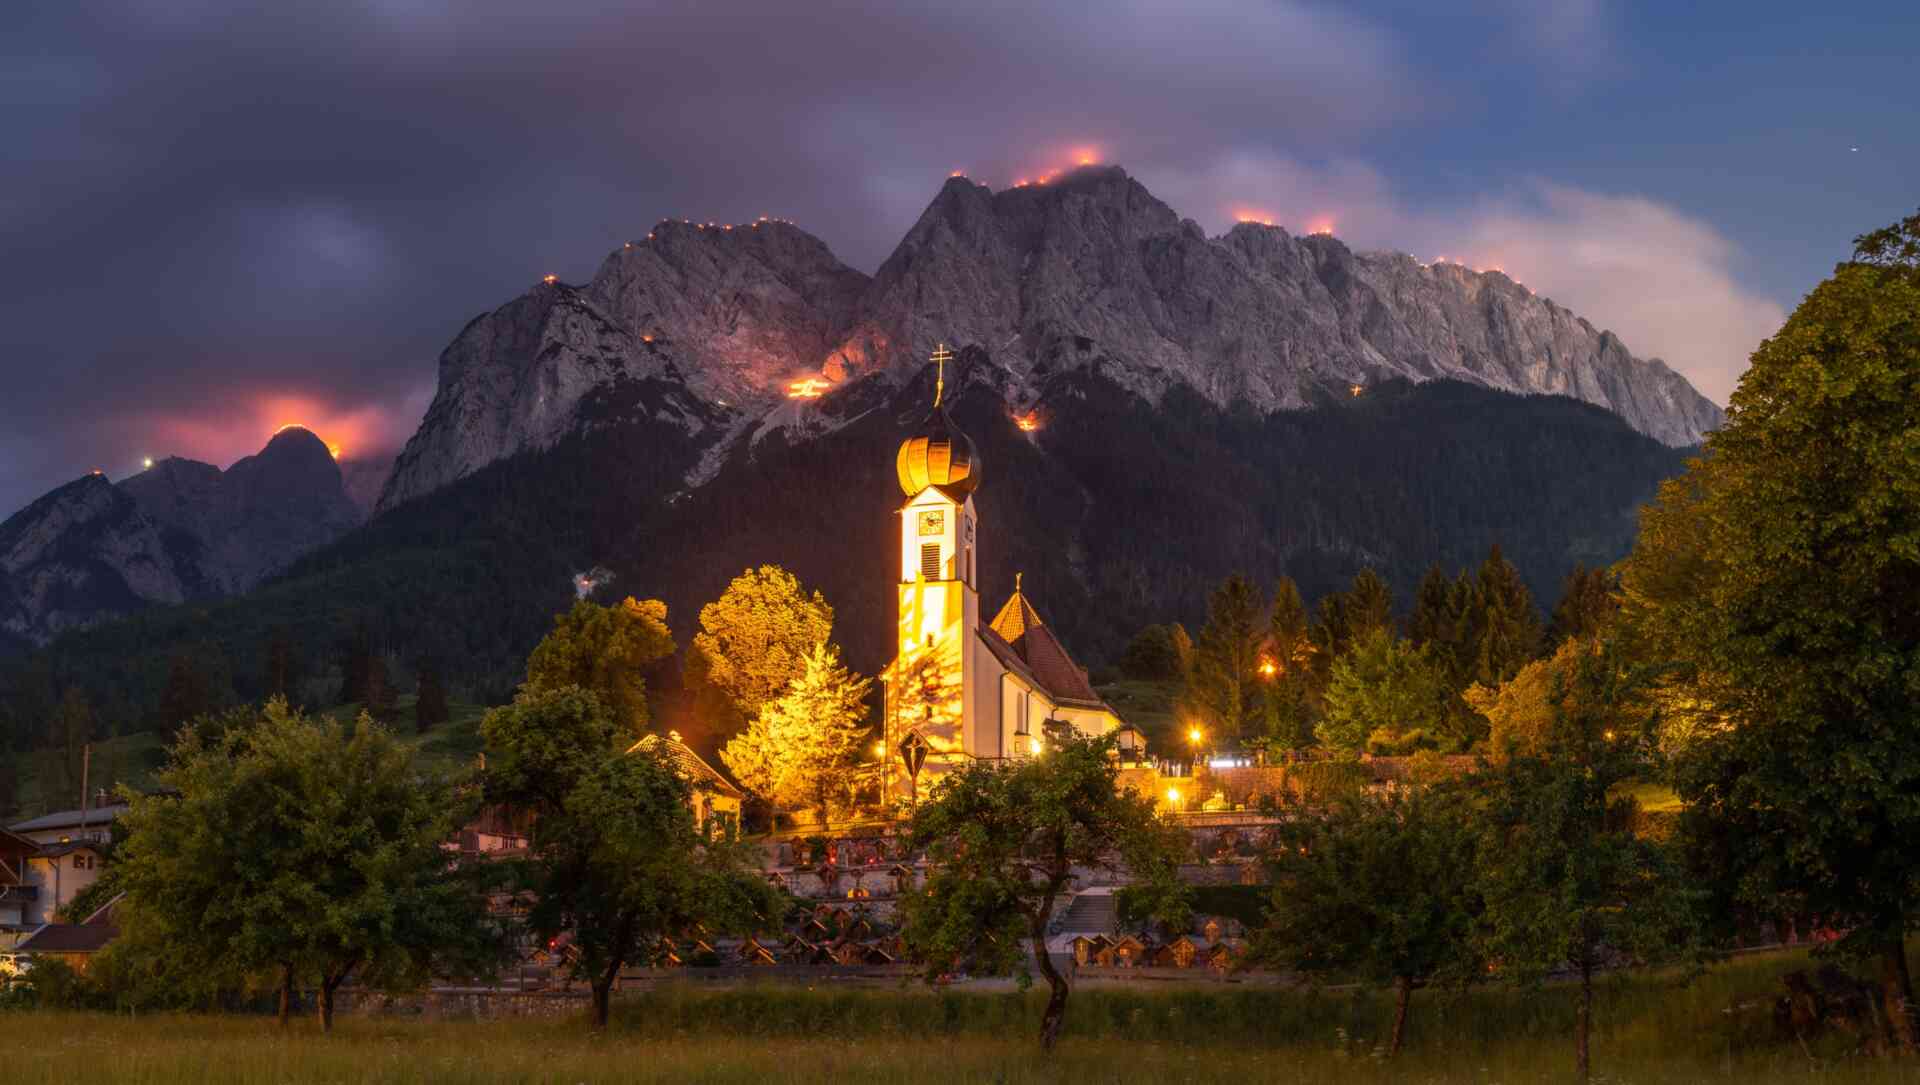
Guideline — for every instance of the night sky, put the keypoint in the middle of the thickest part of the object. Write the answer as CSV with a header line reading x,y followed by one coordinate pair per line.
x,y
219,220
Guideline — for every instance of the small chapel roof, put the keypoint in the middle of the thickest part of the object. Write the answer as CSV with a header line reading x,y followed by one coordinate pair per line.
x,y
1021,633
691,765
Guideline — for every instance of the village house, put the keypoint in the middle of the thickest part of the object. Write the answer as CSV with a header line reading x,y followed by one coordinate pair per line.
x,y
716,801
73,943
47,861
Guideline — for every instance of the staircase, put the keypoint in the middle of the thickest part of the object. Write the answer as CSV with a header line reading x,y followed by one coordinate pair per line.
x,y
1090,913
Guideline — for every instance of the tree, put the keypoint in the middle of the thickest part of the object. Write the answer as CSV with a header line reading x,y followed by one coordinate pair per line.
x,y
1345,618
430,699
1439,624
615,861
1776,579
1377,886
1287,667
1566,879
186,696
754,641
1387,696
1520,713
1005,840
300,848
377,696
606,651
1224,687
1586,606
1152,656
1503,630
802,750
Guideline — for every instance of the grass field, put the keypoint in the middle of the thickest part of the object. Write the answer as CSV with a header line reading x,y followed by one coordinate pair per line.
x,y
1649,1031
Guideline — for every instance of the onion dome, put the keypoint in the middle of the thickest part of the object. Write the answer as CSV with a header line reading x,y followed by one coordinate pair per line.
x,y
938,454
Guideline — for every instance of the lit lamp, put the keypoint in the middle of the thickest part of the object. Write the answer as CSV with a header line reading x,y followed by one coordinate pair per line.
x,y
1173,797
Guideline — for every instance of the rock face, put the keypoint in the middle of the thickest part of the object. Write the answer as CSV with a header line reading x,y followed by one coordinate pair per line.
x,y
85,552
1090,271
180,530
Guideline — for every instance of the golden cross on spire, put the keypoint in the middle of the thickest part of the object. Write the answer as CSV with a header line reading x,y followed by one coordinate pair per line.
x,y
941,356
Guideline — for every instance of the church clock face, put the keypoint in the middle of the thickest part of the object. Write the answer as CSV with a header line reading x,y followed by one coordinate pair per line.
x,y
933,522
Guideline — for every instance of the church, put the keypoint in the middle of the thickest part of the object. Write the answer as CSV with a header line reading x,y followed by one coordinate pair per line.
x,y
962,689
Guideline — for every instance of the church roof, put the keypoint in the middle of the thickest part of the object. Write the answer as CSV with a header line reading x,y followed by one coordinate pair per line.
x,y
1020,633
688,764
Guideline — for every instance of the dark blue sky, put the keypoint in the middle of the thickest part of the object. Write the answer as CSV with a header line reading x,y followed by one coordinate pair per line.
x,y
218,219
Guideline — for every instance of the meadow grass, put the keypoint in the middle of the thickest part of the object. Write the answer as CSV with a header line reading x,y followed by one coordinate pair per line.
x,y
1650,1030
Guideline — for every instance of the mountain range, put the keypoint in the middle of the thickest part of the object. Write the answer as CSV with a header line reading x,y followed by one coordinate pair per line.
x,y
1156,408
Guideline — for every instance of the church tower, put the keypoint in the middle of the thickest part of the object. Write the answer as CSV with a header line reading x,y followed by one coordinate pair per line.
x,y
930,685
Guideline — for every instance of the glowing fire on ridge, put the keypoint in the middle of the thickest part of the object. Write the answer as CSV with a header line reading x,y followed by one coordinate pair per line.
x,y
807,388
1027,422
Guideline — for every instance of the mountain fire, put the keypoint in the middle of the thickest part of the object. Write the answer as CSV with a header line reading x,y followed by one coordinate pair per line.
x,y
807,388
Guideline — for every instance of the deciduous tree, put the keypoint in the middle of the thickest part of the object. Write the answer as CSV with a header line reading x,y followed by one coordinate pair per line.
x,y
1388,696
754,641
305,849
1004,842
1778,579
606,650
615,862
1376,886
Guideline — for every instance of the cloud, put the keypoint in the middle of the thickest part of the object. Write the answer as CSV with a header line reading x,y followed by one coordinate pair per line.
x,y
1664,281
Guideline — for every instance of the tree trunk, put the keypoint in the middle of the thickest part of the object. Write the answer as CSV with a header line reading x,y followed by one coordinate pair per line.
x,y
1056,1011
1583,1021
327,987
1402,994
1896,990
602,999
286,994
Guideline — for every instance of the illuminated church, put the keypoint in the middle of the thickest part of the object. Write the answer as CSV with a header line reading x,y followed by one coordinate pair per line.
x,y
962,689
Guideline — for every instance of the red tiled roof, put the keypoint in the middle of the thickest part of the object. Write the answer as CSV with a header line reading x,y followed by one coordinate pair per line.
x,y
1018,626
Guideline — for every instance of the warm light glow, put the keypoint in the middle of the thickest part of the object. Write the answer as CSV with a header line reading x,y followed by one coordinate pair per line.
x,y
1086,155
1173,795
550,279
334,450
1193,735
1253,215
958,173
147,464
880,750
96,471
1035,746
1027,422
807,388
1322,226
1268,668
1356,389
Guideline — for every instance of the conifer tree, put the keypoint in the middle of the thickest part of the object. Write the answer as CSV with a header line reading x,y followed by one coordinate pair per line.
x,y
1224,684
186,695
281,671
1347,616
1293,693
802,751
1586,604
1504,627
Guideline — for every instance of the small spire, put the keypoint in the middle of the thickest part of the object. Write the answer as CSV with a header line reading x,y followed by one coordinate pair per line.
x,y
1016,582
941,356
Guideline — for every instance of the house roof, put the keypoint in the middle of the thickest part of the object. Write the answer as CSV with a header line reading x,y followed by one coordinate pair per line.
x,y
67,847
701,775
1020,630
70,819
68,938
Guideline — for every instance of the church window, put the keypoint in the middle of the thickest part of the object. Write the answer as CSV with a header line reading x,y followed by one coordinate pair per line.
x,y
930,561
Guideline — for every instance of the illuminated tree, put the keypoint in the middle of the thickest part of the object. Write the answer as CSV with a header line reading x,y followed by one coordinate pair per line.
x,y
1375,886
1388,696
1287,667
802,751
1004,842
606,651
754,641
1520,713
1777,580
615,861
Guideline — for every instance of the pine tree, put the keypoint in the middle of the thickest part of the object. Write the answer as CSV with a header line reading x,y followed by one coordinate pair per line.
x,y
1505,628
1224,684
1293,691
802,751
430,700
356,661
1586,604
380,698
1346,617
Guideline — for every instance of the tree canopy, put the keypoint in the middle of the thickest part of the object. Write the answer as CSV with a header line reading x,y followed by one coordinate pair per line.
x,y
616,862
754,641
1388,696
802,750
1777,579
1004,842
606,650
303,848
